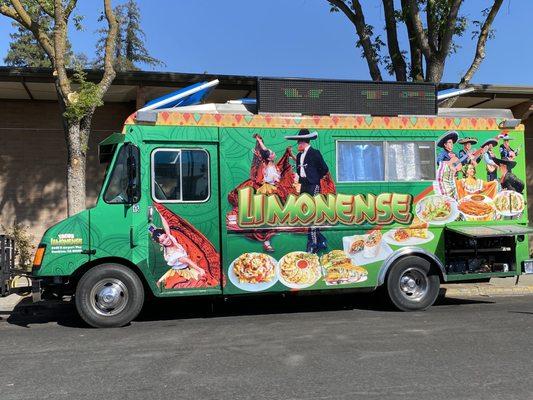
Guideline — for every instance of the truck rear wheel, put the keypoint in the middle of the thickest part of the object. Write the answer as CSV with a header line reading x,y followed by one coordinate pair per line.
x,y
109,295
412,285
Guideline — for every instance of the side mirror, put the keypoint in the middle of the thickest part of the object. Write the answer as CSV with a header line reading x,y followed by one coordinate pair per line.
x,y
133,190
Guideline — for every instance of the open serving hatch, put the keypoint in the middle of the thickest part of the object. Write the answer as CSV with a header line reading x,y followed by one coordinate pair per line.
x,y
484,249
491,231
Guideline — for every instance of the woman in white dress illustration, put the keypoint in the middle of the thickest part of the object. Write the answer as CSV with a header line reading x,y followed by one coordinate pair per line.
x,y
175,256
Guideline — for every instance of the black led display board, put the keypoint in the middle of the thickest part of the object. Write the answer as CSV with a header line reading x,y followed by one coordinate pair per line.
x,y
324,97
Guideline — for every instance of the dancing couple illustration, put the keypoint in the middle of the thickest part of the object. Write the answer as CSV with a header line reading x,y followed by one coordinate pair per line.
x,y
267,176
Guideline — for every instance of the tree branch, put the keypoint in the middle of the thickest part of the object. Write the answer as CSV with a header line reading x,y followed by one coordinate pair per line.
x,y
60,42
45,7
110,43
397,60
358,20
417,71
432,25
10,12
445,43
418,29
69,8
481,42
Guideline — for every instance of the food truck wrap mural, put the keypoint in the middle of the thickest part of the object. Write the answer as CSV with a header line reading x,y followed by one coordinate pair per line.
x,y
313,234
192,260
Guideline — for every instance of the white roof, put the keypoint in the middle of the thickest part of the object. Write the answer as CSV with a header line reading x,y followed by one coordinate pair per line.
x,y
251,109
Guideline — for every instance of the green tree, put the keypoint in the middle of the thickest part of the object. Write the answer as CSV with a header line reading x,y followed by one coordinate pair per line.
x,y
77,105
24,50
130,49
430,42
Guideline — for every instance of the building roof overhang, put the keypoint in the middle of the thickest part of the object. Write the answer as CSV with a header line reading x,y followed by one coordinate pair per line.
x,y
138,87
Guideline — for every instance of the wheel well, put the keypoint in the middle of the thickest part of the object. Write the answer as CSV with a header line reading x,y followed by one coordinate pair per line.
x,y
434,266
76,276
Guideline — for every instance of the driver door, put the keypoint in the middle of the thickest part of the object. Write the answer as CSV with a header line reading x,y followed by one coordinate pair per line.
x,y
184,219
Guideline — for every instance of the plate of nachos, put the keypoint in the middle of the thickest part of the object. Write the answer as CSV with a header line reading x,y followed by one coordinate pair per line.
x,y
253,272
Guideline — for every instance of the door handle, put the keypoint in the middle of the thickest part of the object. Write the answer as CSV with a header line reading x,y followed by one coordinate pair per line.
x,y
150,214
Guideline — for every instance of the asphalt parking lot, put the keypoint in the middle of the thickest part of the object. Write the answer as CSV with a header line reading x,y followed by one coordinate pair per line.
x,y
332,347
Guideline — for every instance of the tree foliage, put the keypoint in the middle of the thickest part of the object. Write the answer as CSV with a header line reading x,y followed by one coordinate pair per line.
x,y
130,48
24,49
432,28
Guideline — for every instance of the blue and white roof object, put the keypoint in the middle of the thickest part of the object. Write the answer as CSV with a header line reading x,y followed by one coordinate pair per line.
x,y
187,96
246,100
446,94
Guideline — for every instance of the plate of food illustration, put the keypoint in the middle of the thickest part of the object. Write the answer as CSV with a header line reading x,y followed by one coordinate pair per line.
x,y
367,248
437,209
253,272
338,269
414,234
509,203
477,207
299,270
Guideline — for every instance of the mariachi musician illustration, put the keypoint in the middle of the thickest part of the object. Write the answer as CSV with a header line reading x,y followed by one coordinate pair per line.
x,y
488,157
449,164
508,180
465,154
506,151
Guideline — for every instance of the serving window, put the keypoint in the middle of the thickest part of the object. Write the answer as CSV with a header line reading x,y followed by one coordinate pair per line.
x,y
180,175
378,161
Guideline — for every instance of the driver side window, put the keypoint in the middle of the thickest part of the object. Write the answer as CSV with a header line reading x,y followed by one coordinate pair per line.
x,y
117,188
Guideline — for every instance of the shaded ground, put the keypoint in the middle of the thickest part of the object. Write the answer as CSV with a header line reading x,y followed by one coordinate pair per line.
x,y
330,347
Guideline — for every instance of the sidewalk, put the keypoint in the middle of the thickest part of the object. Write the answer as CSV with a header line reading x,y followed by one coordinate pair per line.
x,y
496,287
8,303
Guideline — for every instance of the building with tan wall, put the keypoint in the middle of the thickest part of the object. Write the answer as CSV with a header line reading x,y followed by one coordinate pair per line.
x,y
32,144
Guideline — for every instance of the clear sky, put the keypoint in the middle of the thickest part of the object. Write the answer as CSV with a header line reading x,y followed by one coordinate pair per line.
x,y
299,38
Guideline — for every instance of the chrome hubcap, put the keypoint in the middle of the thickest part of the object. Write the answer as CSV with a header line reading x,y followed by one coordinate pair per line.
x,y
109,297
414,284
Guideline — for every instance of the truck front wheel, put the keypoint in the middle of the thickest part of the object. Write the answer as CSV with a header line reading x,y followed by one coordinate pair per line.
x,y
412,285
109,295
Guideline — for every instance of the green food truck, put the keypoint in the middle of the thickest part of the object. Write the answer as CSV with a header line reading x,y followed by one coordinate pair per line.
x,y
245,198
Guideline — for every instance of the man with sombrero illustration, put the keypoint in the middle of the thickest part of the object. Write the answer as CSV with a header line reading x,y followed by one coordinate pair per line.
x,y
311,168
506,152
446,142
465,154
488,157
509,181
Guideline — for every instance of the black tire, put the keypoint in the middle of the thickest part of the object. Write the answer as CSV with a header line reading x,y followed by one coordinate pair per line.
x,y
411,284
109,295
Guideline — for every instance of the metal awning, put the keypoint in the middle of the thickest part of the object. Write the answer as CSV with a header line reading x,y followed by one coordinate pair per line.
x,y
114,138
491,231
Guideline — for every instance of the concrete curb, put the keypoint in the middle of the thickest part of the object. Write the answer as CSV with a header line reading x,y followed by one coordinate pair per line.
x,y
472,290
8,303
